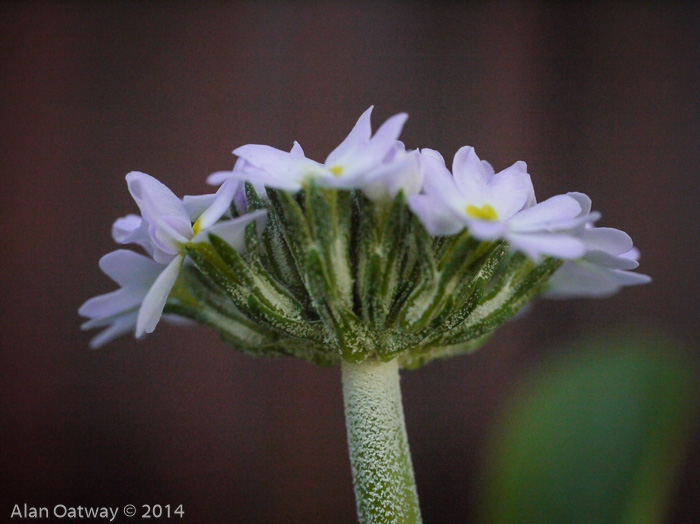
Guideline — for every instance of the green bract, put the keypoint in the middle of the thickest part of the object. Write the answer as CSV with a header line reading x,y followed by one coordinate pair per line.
x,y
335,276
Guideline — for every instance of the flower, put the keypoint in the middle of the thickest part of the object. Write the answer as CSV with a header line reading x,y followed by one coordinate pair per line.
x,y
495,205
239,174
604,268
166,227
361,159
118,309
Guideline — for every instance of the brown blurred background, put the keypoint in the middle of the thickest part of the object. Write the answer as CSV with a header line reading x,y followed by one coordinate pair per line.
x,y
596,99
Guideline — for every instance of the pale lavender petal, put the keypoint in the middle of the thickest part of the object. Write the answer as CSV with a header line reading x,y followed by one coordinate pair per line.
x,y
583,200
357,160
277,169
125,226
439,183
435,154
545,215
469,172
197,204
582,279
118,327
396,151
578,279
534,245
221,203
486,229
386,137
628,278
218,177
154,301
606,239
233,231
167,237
129,269
488,168
297,151
359,136
387,180
102,309
632,254
132,229
437,218
510,190
154,198
609,261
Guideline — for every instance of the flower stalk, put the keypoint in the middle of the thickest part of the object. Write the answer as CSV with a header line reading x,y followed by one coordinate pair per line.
x,y
385,489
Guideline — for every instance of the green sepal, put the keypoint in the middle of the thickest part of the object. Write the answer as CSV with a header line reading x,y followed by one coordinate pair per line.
x,y
349,334
256,278
293,223
413,310
290,327
394,240
520,287
329,223
275,254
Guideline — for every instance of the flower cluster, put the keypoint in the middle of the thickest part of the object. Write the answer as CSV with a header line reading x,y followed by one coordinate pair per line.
x,y
377,251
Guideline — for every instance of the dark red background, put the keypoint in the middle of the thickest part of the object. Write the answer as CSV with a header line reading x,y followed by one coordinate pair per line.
x,y
600,100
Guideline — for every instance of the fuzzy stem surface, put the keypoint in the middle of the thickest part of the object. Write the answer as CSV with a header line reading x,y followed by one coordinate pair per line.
x,y
382,470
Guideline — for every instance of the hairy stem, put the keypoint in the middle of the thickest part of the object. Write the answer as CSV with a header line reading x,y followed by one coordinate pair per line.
x,y
381,461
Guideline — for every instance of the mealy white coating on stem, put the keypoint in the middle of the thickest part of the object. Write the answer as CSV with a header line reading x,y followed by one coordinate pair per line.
x,y
379,454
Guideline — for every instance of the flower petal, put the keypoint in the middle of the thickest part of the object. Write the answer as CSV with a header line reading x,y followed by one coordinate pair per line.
x,y
535,245
275,168
221,203
404,173
154,301
469,172
154,198
129,269
439,183
545,215
510,190
198,204
358,136
609,261
233,231
437,218
119,327
606,239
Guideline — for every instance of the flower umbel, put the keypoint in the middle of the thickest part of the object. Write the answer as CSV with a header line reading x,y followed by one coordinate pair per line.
x,y
378,258
378,252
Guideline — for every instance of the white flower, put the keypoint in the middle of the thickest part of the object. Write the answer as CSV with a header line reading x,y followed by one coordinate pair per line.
x,y
242,172
495,205
166,227
604,268
118,310
361,159
400,171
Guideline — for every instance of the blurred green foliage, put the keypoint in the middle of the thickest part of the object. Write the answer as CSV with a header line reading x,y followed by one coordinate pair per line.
x,y
595,435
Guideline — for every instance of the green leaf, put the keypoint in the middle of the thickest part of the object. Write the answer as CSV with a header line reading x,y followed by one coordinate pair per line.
x,y
594,437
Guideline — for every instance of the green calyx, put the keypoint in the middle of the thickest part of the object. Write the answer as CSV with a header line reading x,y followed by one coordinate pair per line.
x,y
336,276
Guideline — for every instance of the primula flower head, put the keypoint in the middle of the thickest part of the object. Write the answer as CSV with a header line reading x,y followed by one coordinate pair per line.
x,y
494,205
604,268
379,252
164,230
361,159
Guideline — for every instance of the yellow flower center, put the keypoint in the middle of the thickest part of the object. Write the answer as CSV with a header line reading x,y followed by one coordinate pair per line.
x,y
197,226
336,170
485,212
